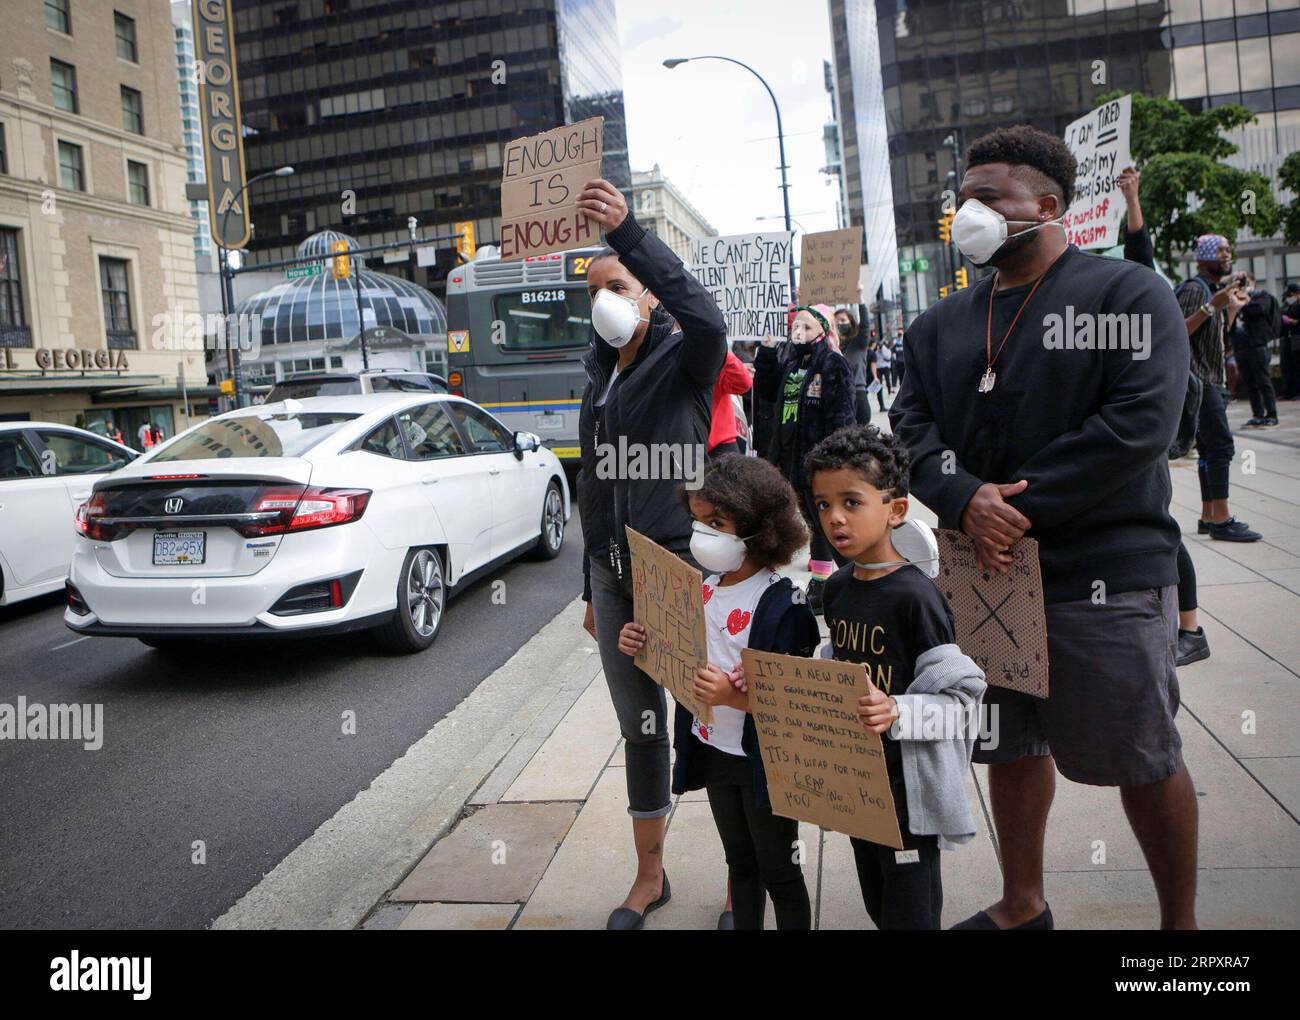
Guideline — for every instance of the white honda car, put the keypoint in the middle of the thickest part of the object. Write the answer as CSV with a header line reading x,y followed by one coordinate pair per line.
x,y
320,515
46,471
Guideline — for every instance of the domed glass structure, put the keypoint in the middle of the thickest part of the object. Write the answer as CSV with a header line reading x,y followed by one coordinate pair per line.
x,y
321,308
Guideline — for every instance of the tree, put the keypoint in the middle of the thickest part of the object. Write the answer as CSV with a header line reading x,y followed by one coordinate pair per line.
x,y
1288,175
1179,155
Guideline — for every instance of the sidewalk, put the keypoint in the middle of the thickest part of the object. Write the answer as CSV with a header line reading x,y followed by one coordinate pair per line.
x,y
545,842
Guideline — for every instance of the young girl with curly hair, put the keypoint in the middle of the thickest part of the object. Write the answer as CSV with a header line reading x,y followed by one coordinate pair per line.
x,y
747,523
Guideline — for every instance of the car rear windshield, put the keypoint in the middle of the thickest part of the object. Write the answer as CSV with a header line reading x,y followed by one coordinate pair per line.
x,y
544,318
300,390
255,435
404,383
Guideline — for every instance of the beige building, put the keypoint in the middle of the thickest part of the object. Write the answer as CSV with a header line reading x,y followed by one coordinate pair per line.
x,y
96,240
660,207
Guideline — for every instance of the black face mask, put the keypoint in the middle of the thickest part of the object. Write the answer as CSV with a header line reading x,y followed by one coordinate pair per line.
x,y
845,329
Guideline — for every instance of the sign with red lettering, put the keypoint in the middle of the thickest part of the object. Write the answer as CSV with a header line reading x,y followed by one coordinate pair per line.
x,y
1100,143
541,178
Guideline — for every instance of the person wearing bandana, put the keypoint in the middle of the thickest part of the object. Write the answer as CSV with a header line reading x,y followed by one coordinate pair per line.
x,y
1025,418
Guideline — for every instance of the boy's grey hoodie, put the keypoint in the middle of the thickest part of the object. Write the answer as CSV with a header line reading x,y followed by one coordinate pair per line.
x,y
937,727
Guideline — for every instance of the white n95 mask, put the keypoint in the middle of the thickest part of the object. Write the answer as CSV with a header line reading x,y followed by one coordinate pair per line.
x,y
916,543
979,231
716,550
615,318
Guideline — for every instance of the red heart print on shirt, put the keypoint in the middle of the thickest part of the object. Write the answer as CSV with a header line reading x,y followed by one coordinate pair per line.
x,y
708,594
737,621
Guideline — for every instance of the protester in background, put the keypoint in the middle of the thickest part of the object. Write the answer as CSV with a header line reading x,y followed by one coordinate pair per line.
x,y
1083,469
885,370
813,387
113,432
747,524
1289,354
1258,324
157,434
734,379
1193,646
1210,302
874,351
144,436
900,366
853,345
649,381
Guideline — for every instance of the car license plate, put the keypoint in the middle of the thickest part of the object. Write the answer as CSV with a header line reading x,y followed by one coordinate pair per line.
x,y
550,421
179,548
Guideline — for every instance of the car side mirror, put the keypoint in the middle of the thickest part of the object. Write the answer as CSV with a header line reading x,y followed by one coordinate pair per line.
x,y
524,442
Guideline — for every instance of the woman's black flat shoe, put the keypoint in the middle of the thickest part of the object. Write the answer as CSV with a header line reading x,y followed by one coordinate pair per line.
x,y
627,919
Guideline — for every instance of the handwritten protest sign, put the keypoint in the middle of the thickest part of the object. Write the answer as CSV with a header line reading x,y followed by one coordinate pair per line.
x,y
1100,143
541,178
823,766
748,277
1000,617
828,267
668,600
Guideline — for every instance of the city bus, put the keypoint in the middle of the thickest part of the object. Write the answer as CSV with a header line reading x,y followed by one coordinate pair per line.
x,y
516,334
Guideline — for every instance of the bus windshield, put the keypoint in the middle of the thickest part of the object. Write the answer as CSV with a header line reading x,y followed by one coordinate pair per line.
x,y
544,318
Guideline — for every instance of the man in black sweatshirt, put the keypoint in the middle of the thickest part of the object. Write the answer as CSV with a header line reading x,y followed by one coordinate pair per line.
x,y
1041,402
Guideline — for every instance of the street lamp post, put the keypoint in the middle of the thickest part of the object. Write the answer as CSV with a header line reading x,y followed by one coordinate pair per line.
x,y
233,363
780,137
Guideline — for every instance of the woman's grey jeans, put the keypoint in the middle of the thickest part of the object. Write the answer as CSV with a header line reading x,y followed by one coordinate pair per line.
x,y
639,702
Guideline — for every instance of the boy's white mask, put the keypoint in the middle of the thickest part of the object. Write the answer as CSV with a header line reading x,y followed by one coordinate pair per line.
x,y
916,543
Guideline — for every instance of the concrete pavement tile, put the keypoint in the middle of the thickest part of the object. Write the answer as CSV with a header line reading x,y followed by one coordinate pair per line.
x,y
1239,678
495,855
566,766
386,917
1213,567
1264,480
1289,578
697,868
460,917
1240,825
1228,898
1262,612
591,872
1255,555
1281,777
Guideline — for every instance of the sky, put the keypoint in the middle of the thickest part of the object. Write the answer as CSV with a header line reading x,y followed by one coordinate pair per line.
x,y
710,125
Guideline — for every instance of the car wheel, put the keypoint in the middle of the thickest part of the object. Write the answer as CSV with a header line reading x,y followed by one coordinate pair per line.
x,y
421,600
551,540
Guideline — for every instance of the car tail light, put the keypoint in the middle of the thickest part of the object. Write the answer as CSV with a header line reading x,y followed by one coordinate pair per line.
x,y
304,509
87,524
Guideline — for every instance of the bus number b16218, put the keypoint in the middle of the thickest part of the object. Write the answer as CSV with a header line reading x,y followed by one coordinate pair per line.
x,y
537,297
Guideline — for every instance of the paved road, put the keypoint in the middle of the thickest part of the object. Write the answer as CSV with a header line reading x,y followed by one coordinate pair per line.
x,y
243,750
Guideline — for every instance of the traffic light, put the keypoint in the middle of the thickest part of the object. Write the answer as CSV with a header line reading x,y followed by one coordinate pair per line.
x,y
465,244
944,291
945,226
963,281
342,263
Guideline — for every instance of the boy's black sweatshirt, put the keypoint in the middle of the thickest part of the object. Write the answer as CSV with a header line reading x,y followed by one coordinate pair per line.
x,y
1088,429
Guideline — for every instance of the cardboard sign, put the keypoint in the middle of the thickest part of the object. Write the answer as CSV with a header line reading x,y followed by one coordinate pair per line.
x,y
823,766
1001,623
1100,143
829,267
541,178
748,277
668,601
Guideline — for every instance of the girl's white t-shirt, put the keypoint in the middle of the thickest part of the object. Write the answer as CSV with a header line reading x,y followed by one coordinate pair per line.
x,y
728,614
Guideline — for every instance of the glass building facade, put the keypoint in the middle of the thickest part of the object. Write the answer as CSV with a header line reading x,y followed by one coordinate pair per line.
x,y
191,121
395,108
955,70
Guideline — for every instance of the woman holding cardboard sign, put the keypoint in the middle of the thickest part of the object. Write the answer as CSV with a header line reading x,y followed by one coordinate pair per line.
x,y
658,342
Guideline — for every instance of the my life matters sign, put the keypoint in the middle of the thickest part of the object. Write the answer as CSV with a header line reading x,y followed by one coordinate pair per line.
x,y
541,178
829,265
1100,143
822,764
1000,619
748,277
668,601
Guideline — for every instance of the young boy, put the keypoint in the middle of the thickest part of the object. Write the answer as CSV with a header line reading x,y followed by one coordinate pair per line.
x,y
889,615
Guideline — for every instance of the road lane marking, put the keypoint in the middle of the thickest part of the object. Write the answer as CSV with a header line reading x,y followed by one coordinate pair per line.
x,y
84,637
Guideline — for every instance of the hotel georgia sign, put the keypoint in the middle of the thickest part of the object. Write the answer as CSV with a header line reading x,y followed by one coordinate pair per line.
x,y
76,359
223,143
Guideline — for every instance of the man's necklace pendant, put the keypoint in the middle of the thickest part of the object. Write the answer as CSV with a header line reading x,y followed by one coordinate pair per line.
x,y
987,380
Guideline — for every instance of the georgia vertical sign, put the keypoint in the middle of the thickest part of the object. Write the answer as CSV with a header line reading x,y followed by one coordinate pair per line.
x,y
223,143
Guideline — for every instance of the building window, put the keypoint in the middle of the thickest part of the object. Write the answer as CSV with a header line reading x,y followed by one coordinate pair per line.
x,y
14,331
57,16
63,84
117,303
124,28
4,155
132,111
72,168
137,181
